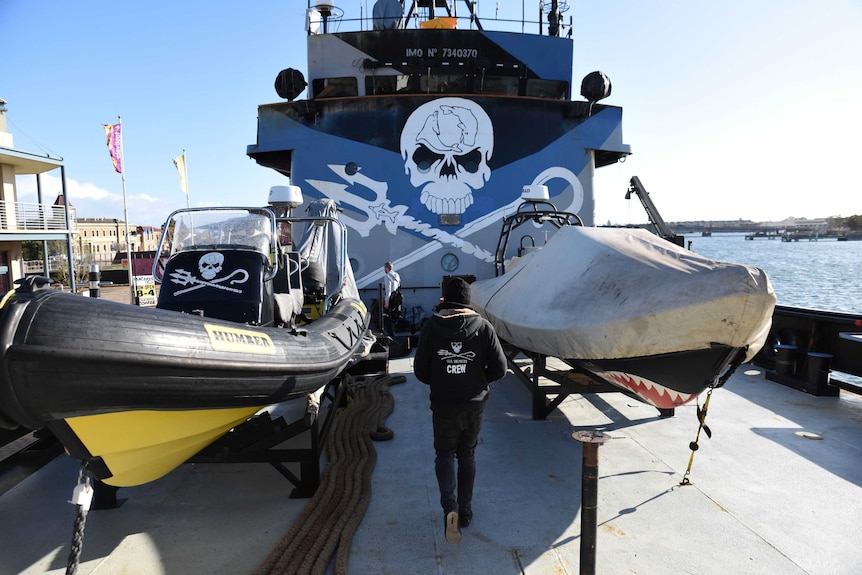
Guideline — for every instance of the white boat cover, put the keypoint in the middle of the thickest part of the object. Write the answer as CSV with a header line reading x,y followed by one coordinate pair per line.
x,y
611,293
324,245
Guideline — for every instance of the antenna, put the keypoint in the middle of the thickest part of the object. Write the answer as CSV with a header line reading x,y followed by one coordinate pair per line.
x,y
328,11
554,9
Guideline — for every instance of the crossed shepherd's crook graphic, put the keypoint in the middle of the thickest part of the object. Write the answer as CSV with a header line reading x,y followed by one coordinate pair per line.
x,y
446,354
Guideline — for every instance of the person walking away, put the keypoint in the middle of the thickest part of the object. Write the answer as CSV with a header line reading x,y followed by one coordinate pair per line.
x,y
391,285
458,355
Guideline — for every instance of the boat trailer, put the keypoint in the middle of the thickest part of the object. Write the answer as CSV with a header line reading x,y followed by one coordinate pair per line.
x,y
563,382
262,438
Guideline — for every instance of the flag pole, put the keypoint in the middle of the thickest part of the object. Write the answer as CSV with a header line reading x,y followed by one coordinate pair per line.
x,y
186,174
126,219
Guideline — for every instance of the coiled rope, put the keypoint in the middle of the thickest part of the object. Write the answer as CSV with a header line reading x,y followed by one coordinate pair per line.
x,y
330,518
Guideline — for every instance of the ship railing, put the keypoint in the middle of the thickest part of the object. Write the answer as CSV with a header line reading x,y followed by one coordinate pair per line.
x,y
326,17
813,350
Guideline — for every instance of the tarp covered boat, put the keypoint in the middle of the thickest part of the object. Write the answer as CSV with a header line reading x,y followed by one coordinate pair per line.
x,y
640,312
136,391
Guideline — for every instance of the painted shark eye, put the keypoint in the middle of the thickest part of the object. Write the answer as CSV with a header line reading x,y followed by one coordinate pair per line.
x,y
425,158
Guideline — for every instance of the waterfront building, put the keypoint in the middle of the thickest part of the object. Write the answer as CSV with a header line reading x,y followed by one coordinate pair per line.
x,y
100,239
21,221
84,241
146,238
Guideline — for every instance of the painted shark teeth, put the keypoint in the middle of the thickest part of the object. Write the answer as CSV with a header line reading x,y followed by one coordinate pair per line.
x,y
650,391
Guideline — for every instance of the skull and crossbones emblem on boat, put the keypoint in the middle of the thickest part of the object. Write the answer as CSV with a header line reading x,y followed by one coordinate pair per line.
x,y
446,145
210,266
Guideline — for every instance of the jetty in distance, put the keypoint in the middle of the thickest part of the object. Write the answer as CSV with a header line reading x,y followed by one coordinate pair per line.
x,y
790,229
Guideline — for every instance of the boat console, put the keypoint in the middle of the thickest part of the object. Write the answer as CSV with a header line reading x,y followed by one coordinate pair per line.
x,y
535,208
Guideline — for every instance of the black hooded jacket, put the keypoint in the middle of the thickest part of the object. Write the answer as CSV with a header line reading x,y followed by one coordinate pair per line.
x,y
458,355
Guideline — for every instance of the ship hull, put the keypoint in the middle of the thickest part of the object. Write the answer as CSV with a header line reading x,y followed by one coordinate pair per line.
x,y
431,226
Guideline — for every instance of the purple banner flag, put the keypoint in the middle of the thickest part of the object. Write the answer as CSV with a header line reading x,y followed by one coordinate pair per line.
x,y
114,133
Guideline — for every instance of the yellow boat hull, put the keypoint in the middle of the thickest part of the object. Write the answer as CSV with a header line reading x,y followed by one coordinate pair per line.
x,y
140,446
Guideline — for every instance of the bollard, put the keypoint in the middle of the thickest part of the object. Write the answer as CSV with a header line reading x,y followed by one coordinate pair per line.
x,y
590,441
818,370
94,280
785,359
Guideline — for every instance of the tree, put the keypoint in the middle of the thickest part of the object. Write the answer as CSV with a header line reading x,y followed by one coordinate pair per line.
x,y
32,249
854,222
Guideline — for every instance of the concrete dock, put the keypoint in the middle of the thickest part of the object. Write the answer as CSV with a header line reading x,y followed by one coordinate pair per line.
x,y
777,490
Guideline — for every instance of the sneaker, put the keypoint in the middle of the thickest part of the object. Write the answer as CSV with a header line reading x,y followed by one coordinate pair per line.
x,y
464,518
453,534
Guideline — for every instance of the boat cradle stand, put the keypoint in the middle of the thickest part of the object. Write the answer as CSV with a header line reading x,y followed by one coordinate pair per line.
x,y
564,381
260,439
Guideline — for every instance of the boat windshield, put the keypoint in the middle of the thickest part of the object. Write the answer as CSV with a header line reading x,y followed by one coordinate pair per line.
x,y
220,228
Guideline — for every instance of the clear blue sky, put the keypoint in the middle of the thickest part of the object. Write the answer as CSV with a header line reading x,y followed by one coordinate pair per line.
x,y
732,109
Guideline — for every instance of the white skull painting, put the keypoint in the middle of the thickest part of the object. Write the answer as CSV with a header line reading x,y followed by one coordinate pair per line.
x,y
446,145
210,265
456,346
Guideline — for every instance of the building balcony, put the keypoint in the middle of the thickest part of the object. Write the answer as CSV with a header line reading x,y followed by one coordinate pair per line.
x,y
32,218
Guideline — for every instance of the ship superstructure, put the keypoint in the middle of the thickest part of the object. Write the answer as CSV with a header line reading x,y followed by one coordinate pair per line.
x,y
425,127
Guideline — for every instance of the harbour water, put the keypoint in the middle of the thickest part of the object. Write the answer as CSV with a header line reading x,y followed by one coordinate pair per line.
x,y
822,275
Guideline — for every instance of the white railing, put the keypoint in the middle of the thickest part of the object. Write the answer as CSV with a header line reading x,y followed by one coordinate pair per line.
x,y
22,216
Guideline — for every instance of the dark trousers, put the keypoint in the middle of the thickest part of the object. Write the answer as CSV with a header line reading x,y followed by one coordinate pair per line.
x,y
456,432
390,320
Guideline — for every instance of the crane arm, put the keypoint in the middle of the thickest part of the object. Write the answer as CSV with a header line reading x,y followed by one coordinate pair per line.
x,y
661,227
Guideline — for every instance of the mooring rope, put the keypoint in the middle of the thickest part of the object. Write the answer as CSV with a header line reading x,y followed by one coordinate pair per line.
x,y
77,541
330,518
82,497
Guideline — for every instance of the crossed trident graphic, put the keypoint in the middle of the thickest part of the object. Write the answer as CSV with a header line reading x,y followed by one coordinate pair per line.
x,y
380,210
183,277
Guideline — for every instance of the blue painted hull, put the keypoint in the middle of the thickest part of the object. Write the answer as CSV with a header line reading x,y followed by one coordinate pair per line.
x,y
424,179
